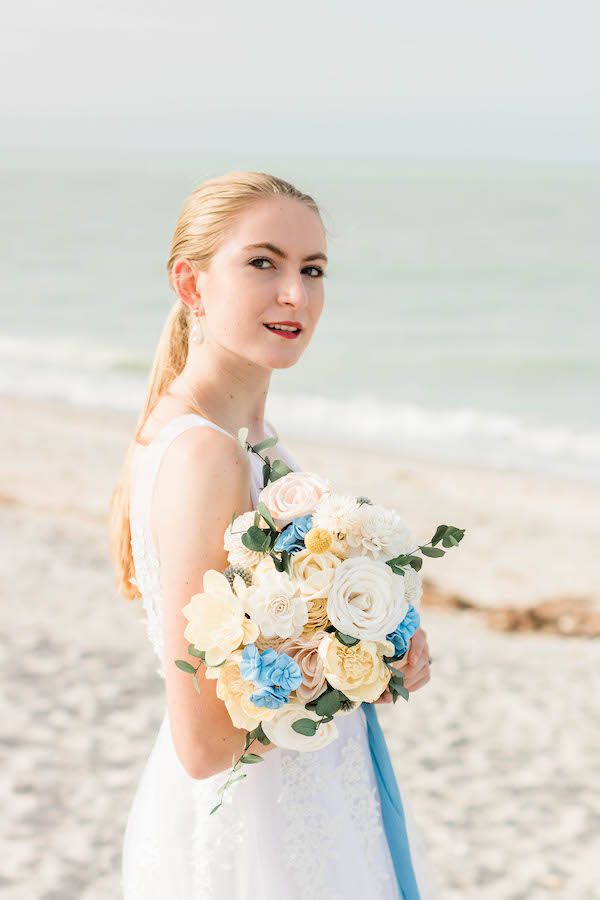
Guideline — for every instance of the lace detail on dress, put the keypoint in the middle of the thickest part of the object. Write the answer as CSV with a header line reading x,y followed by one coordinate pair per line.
x,y
216,840
310,835
364,807
147,580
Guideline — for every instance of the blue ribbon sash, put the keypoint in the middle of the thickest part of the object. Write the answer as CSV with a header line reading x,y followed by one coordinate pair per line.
x,y
391,807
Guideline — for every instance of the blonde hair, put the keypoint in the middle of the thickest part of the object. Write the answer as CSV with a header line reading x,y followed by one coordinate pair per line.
x,y
203,221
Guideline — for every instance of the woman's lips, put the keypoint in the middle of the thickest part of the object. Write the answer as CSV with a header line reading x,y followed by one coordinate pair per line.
x,y
290,335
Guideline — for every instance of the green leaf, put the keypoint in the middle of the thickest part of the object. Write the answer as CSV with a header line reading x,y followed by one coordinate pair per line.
x,y
449,541
264,445
266,472
256,539
243,436
214,809
348,640
260,735
193,651
251,758
439,534
264,512
308,727
328,703
233,517
432,551
416,563
278,469
195,683
401,560
184,666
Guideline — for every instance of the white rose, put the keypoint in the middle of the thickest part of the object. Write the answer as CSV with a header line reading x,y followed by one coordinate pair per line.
x,y
366,599
379,532
292,495
279,729
237,553
216,618
277,606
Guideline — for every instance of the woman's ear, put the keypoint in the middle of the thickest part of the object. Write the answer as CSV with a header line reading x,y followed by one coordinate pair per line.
x,y
184,278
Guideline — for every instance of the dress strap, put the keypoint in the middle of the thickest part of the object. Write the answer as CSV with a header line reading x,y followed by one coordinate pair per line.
x,y
148,463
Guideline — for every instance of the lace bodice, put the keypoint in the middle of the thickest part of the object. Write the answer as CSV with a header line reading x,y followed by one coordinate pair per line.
x,y
146,560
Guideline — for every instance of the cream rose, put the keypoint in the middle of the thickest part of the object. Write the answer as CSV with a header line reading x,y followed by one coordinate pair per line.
x,y
237,553
277,606
292,495
234,691
216,618
305,652
279,729
366,599
379,532
314,572
358,671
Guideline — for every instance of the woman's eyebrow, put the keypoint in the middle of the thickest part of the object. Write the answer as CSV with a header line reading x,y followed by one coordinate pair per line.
x,y
282,253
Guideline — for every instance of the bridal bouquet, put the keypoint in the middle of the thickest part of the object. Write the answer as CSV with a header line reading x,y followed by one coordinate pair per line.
x,y
318,601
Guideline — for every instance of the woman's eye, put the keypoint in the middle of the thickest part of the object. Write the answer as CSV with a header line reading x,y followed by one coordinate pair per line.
x,y
259,259
319,270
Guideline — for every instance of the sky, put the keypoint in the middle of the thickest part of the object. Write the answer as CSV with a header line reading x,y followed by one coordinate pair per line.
x,y
495,79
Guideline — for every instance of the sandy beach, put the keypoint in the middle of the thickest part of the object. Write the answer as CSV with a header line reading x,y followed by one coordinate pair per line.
x,y
497,755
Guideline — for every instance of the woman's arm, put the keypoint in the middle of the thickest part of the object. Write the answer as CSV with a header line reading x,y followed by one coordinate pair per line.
x,y
204,477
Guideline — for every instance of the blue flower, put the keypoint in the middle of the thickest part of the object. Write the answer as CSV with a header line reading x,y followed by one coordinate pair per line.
x,y
275,674
255,666
285,673
405,630
271,697
292,536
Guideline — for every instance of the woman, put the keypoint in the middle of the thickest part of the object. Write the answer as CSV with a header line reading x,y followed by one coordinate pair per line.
x,y
248,253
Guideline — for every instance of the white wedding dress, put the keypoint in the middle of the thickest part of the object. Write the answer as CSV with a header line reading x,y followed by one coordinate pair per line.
x,y
300,826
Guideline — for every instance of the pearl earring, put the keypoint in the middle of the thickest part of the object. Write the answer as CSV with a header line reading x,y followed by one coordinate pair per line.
x,y
196,332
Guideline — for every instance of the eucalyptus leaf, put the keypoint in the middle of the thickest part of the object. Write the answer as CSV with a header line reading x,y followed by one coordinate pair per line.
x,y
184,666
195,683
264,445
251,758
193,651
348,640
264,512
416,563
243,436
328,703
439,534
432,551
308,727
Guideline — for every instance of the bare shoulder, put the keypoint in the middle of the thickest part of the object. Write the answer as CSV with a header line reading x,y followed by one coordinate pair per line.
x,y
201,469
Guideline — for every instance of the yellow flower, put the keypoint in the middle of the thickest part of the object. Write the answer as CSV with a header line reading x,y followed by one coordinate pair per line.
x,y
318,540
235,692
358,671
317,616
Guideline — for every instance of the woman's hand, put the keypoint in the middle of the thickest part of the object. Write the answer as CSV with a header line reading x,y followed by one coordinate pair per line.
x,y
414,665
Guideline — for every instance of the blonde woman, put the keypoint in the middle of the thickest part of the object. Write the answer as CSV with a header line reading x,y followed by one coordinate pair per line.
x,y
248,253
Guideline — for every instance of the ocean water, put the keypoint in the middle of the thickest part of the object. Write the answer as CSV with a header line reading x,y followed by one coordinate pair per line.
x,y
461,314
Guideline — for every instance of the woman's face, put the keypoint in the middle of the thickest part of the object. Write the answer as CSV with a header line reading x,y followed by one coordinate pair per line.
x,y
246,287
